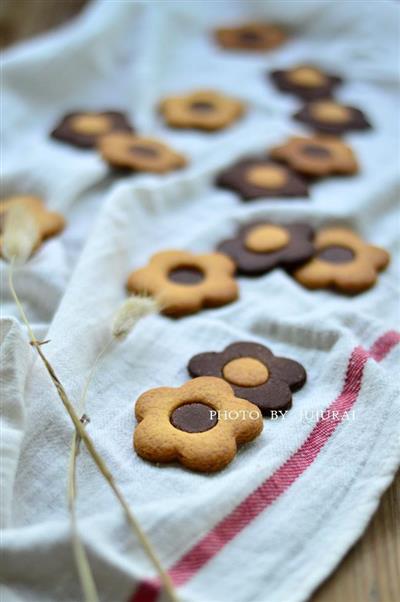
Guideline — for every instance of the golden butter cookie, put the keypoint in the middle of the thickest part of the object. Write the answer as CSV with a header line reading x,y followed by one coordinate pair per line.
x,y
199,424
84,128
317,156
250,36
204,109
138,153
49,223
342,261
184,283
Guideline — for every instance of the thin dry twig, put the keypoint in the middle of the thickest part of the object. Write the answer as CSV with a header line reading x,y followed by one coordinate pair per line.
x,y
124,320
82,562
81,431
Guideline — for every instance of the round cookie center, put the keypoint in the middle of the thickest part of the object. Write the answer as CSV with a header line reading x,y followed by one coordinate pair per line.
x,y
202,106
144,151
250,36
266,239
193,417
306,76
245,372
315,151
266,176
186,275
330,112
90,125
336,254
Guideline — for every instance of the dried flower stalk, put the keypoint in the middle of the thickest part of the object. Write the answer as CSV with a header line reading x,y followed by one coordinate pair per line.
x,y
82,562
20,238
98,460
125,319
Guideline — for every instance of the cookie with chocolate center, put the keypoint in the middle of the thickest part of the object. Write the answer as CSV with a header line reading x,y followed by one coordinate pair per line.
x,y
200,424
317,156
253,37
204,110
138,153
343,261
184,282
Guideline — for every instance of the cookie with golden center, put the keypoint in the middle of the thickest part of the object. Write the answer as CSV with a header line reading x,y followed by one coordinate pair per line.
x,y
138,153
254,373
261,246
342,261
49,223
253,37
317,156
84,128
306,81
331,117
259,177
200,424
184,283
204,110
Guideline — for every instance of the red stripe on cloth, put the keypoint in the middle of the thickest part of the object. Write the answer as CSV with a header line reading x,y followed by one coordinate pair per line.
x,y
384,344
275,485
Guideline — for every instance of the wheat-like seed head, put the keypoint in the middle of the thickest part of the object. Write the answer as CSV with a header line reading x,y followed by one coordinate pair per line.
x,y
130,312
20,235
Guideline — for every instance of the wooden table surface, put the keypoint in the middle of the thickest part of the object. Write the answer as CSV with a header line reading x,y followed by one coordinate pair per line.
x,y
371,570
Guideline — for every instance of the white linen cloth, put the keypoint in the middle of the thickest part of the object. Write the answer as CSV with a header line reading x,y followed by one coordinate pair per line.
x,y
128,55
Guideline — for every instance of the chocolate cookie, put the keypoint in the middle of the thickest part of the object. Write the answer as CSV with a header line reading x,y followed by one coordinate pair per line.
x,y
199,424
317,156
259,177
84,128
250,36
254,373
343,261
204,110
138,153
306,81
184,283
260,246
331,117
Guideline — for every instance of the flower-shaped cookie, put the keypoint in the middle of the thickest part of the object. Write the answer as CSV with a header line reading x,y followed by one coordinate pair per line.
x,y
251,36
137,153
342,261
205,110
317,156
258,177
261,246
183,283
199,424
84,128
331,117
254,373
305,81
48,223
